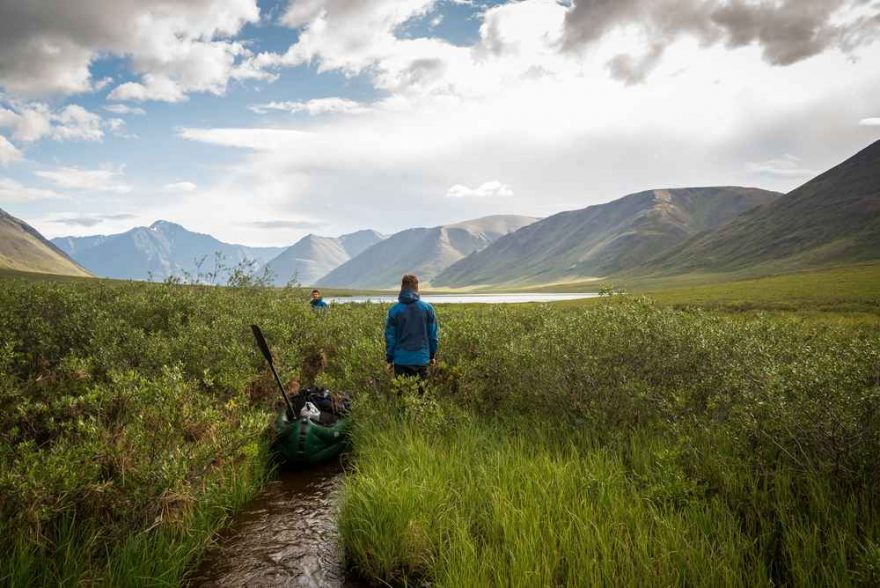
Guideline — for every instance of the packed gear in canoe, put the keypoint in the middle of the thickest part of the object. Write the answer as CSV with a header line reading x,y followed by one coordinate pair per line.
x,y
312,426
314,437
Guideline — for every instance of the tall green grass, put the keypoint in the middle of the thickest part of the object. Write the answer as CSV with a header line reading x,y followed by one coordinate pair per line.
x,y
613,442
626,444
477,502
78,551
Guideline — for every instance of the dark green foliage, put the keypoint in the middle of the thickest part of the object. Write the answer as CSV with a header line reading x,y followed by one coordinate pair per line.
x,y
133,423
755,439
134,418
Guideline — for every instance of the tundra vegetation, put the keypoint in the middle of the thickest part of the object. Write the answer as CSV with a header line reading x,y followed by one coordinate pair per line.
x,y
619,441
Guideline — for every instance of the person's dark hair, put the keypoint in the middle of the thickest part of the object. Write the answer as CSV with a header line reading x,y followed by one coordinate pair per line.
x,y
409,282
316,291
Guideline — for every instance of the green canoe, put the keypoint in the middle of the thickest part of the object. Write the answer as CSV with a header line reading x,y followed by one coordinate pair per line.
x,y
305,442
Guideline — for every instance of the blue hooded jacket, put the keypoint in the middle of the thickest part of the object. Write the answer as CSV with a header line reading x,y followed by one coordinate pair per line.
x,y
410,331
319,304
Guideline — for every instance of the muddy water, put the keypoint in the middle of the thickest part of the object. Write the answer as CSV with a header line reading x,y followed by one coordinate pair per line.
x,y
286,537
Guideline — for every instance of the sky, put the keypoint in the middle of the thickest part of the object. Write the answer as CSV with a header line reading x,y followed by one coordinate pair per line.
x,y
259,121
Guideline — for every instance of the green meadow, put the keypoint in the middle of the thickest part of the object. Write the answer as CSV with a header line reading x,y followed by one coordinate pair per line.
x,y
715,434
846,289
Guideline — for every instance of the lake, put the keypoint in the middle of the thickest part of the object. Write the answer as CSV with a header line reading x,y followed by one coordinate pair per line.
x,y
500,298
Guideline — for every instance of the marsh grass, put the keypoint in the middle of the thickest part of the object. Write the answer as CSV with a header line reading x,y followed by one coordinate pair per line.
x,y
621,441
77,552
481,503
626,444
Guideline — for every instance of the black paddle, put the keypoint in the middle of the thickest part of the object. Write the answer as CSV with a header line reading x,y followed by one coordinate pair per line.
x,y
264,347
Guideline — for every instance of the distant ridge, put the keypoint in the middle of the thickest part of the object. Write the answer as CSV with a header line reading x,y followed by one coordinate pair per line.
x,y
603,239
833,218
425,251
313,256
23,248
161,250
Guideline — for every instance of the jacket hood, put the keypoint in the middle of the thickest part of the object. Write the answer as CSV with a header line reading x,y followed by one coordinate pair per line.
x,y
407,296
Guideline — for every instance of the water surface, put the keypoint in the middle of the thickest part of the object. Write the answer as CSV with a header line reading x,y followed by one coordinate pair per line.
x,y
499,298
286,537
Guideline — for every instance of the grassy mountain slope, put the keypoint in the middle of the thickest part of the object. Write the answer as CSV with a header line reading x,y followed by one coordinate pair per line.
x,y
23,248
834,218
313,256
424,251
603,239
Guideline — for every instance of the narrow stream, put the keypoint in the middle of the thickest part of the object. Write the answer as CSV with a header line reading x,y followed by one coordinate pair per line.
x,y
286,537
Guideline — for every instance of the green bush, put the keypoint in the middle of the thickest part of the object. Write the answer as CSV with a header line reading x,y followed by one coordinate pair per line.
x,y
135,415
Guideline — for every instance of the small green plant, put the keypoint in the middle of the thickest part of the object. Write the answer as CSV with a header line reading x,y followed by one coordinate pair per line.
x,y
607,290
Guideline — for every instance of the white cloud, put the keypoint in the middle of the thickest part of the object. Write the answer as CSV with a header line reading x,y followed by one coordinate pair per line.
x,y
157,88
32,121
118,127
124,109
870,122
107,179
47,47
284,224
8,152
89,220
256,139
8,119
518,40
355,36
177,187
315,106
787,166
102,83
75,123
12,191
485,190
786,31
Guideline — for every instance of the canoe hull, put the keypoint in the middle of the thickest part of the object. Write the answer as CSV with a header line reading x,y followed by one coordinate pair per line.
x,y
305,442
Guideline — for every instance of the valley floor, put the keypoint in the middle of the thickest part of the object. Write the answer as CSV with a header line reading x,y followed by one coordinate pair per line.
x,y
721,434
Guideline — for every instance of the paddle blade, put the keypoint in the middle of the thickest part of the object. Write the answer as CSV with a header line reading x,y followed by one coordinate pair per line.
x,y
261,343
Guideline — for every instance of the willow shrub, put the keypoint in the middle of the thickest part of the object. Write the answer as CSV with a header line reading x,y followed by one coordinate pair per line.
x,y
127,405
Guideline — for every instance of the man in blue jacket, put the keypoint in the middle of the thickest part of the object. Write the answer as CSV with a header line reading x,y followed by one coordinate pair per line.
x,y
317,301
410,332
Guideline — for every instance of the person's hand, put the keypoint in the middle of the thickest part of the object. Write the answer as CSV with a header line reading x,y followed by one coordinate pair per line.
x,y
389,367
433,362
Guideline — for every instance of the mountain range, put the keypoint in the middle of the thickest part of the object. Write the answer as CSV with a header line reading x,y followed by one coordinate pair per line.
x,y
424,251
312,257
157,252
832,219
23,248
602,239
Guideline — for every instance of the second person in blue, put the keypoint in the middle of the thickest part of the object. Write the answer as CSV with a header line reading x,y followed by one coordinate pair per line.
x,y
317,302
411,332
